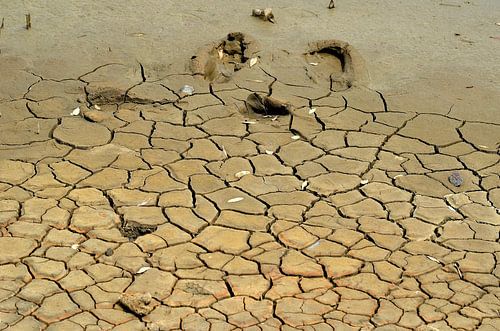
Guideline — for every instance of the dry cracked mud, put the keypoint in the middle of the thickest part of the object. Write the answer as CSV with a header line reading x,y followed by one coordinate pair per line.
x,y
154,209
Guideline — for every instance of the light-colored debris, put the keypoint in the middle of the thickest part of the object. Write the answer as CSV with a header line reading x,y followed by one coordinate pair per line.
x,y
268,152
457,268
145,202
433,259
304,185
143,270
75,246
242,173
295,137
312,111
233,200
187,89
75,111
97,107
364,182
253,61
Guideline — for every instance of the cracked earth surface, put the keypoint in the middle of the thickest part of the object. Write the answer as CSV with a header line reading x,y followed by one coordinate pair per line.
x,y
158,210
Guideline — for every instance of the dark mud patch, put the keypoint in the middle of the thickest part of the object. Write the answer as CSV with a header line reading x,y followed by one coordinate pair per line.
x,y
134,231
265,105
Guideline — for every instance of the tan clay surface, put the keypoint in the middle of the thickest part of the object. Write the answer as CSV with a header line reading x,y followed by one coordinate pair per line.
x,y
142,189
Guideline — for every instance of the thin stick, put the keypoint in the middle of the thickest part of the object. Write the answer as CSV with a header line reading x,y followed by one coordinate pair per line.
x,y
332,4
28,21
3,23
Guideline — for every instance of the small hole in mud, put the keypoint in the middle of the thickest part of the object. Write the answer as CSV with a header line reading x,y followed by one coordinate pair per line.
x,y
265,105
134,231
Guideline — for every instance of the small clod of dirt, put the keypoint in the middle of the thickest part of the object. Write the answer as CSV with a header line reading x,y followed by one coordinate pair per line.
x,y
141,304
265,14
96,116
109,252
267,105
219,60
134,231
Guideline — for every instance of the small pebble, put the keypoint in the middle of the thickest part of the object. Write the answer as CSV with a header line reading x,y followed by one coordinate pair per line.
x,y
456,179
109,252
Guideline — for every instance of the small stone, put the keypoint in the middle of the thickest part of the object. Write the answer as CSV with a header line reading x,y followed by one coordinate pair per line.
x,y
456,179
109,252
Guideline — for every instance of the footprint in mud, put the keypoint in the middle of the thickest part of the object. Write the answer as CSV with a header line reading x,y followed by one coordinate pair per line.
x,y
218,61
335,61
266,105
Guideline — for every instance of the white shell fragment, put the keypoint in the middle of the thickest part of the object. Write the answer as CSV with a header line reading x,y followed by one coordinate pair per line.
x,y
75,111
433,259
304,185
268,152
233,200
314,63
97,107
242,173
75,246
295,137
187,89
143,270
364,181
312,111
253,61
